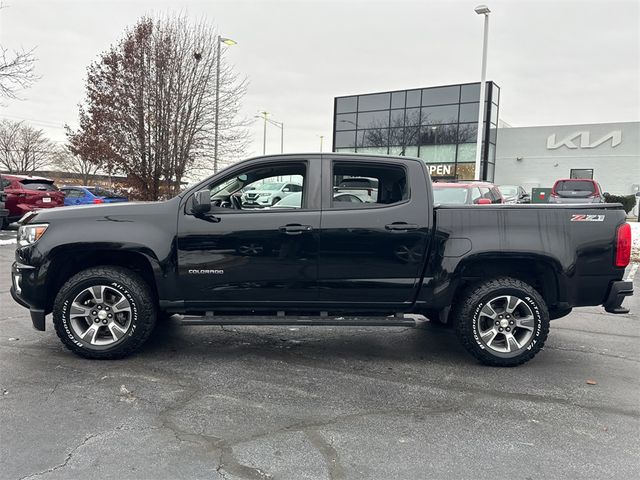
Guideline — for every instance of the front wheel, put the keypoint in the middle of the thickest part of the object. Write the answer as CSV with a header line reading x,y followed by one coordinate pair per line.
x,y
502,322
104,313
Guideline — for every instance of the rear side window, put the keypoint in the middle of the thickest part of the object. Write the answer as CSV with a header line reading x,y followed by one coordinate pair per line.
x,y
72,193
374,184
496,196
42,186
475,195
574,186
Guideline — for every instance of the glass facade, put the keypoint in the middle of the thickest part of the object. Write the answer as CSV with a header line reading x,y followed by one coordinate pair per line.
x,y
438,125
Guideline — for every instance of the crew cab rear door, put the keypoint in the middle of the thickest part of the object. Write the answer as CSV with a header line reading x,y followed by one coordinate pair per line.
x,y
373,252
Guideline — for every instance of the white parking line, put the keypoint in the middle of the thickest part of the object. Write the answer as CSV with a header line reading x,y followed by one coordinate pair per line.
x,y
8,242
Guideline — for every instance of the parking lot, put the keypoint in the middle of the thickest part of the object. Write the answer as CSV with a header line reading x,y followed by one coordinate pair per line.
x,y
318,403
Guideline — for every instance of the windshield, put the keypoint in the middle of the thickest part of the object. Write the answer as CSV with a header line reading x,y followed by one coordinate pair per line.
x,y
101,192
269,186
575,185
41,185
359,183
509,190
449,194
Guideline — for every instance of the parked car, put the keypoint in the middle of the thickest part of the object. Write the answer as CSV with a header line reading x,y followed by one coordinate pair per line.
x,y
295,200
80,195
577,190
25,194
498,273
366,189
268,193
514,194
466,193
4,213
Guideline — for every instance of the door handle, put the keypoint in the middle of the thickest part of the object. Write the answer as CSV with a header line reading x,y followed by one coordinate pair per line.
x,y
295,229
401,226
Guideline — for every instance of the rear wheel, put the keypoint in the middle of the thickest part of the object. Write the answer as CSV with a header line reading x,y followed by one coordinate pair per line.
x,y
502,322
104,313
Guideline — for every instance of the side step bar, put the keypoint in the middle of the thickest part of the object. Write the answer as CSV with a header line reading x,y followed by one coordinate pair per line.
x,y
322,320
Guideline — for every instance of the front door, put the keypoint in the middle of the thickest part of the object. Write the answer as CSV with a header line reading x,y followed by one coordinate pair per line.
x,y
239,255
373,244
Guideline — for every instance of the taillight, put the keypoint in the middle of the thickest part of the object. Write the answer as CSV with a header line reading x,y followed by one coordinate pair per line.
x,y
98,200
623,245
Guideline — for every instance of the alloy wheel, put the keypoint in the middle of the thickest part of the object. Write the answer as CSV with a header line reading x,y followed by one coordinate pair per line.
x,y
506,324
100,315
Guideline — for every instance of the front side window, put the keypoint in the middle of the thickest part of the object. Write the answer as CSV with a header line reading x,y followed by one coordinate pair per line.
x,y
358,185
261,188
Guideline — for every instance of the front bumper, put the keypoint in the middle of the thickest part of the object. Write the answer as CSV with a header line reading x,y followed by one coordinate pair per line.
x,y
25,291
617,292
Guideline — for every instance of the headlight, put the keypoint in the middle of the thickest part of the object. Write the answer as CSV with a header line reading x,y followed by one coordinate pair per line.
x,y
28,234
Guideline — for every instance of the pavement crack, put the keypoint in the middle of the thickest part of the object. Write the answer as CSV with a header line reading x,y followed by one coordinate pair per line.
x,y
328,451
66,460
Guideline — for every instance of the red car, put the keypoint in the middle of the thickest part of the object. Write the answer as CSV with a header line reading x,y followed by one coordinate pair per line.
x,y
466,193
24,194
577,190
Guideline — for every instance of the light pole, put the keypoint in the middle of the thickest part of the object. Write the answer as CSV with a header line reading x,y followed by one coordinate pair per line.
x,y
321,140
226,41
263,115
280,125
482,10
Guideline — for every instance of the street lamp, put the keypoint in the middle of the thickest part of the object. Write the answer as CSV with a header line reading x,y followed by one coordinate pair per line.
x,y
482,10
229,42
280,125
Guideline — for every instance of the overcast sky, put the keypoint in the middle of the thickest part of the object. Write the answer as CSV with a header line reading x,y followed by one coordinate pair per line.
x,y
557,62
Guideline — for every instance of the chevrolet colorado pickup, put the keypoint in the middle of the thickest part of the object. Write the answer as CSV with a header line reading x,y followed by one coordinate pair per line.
x,y
496,273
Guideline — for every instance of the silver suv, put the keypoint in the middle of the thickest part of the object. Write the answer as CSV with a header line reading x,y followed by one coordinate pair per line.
x,y
267,194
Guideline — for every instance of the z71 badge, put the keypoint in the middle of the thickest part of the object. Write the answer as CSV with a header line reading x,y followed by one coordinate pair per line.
x,y
587,218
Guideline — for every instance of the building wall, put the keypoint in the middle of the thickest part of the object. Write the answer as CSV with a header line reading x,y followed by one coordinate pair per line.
x,y
537,156
437,124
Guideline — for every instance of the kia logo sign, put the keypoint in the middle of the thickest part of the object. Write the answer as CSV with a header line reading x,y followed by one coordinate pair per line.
x,y
584,140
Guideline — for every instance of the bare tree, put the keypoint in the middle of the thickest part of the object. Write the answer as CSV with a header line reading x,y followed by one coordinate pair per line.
x,y
82,167
149,111
16,71
24,149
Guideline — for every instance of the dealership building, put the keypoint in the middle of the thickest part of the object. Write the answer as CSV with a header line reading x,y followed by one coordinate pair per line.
x,y
439,125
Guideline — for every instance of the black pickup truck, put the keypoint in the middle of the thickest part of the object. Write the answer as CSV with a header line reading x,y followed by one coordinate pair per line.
x,y
496,273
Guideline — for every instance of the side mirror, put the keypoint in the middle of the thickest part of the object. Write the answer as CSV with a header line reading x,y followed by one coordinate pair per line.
x,y
285,189
201,202
483,201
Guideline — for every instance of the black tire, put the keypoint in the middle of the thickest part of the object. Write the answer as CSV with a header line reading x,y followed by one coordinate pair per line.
x,y
470,319
141,319
275,200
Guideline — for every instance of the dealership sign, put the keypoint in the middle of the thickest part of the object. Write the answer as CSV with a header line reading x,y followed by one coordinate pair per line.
x,y
583,140
440,170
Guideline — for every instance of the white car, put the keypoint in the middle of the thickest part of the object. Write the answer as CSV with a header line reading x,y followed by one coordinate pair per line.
x,y
268,194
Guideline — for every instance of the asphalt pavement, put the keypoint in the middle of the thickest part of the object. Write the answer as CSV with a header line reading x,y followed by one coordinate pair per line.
x,y
319,403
